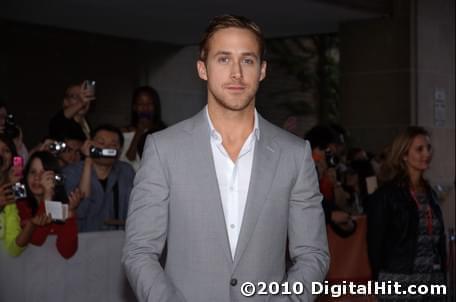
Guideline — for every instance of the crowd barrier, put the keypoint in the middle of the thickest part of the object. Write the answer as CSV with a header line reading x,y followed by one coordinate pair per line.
x,y
94,273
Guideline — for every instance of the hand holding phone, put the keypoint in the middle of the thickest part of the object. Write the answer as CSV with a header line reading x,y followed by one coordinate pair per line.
x,y
88,87
18,167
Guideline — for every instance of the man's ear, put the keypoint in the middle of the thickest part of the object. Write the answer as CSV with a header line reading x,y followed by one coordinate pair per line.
x,y
263,70
202,71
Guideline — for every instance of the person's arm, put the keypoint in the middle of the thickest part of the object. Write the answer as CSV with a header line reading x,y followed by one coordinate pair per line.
x,y
34,229
308,244
12,230
86,175
72,175
342,223
85,98
146,231
67,233
140,130
67,237
133,148
6,195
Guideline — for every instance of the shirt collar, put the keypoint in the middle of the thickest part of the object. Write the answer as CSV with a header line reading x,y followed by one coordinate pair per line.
x,y
216,135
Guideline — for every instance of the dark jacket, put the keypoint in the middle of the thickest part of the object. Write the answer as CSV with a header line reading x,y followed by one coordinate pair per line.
x,y
61,128
392,229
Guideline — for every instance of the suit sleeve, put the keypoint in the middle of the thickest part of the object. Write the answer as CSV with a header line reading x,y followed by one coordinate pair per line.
x,y
308,244
146,230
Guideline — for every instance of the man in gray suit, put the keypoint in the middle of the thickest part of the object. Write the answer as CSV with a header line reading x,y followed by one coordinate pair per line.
x,y
225,189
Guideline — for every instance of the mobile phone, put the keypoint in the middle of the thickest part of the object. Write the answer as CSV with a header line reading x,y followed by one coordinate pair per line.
x,y
18,166
90,86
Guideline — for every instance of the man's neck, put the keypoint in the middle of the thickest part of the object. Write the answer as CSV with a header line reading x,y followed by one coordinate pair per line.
x,y
232,125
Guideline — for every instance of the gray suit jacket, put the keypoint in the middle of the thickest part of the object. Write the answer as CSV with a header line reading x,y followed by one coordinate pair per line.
x,y
176,199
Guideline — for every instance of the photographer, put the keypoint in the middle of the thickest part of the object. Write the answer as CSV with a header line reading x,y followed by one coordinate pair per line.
x,y
67,151
9,128
71,120
104,181
325,145
41,185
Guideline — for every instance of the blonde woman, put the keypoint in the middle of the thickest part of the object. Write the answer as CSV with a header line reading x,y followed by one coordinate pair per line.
x,y
406,237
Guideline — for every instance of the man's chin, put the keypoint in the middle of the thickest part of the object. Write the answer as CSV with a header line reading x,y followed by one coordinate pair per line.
x,y
235,105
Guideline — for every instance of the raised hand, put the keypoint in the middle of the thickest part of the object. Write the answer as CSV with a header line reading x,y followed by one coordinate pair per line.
x,y
74,198
6,195
47,181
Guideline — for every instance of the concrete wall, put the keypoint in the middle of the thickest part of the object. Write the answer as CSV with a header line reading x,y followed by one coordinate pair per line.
x,y
375,78
178,83
42,61
434,29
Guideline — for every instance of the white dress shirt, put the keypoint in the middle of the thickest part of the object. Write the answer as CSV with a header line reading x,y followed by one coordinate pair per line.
x,y
233,179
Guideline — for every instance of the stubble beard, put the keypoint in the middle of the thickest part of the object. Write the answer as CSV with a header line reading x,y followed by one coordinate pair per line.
x,y
237,105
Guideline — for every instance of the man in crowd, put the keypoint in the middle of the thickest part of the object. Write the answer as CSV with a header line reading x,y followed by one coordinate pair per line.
x,y
225,189
104,181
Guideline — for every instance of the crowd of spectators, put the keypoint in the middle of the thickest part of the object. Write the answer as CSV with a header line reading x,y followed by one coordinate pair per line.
x,y
87,173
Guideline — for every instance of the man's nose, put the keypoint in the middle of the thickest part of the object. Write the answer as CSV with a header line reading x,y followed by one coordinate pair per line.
x,y
236,71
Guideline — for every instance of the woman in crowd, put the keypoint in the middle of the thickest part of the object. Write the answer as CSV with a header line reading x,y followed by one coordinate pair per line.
x,y
40,182
406,237
145,118
13,237
71,120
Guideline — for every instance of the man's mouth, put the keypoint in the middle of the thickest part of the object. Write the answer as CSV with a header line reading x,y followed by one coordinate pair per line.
x,y
235,87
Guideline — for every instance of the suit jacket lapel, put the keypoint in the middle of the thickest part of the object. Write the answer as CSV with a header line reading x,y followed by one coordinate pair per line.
x,y
203,153
265,161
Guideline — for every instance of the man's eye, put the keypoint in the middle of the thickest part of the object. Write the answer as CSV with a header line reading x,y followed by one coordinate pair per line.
x,y
223,60
248,61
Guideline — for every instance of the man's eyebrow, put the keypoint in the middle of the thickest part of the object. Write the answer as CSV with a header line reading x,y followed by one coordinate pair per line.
x,y
222,52
249,54
244,54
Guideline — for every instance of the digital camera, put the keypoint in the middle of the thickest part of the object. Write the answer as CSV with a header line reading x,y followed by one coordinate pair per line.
x,y
331,159
59,179
19,190
57,147
11,129
100,153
